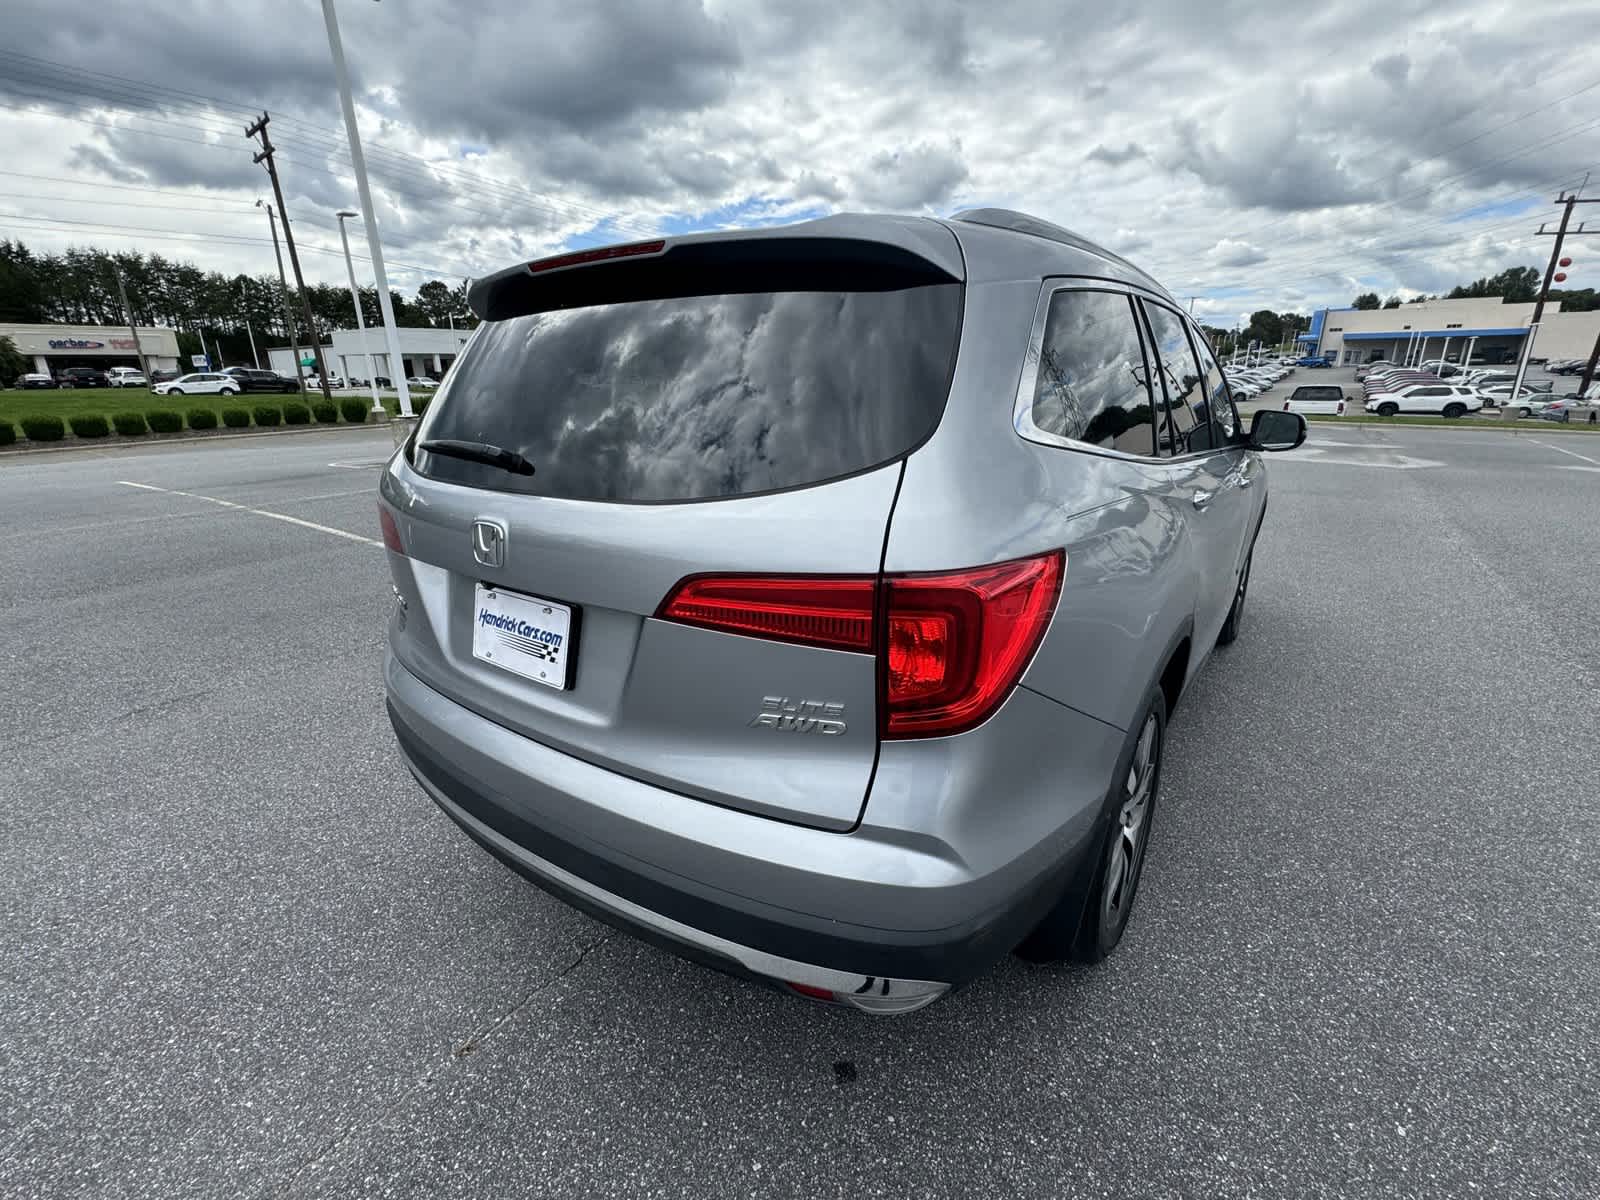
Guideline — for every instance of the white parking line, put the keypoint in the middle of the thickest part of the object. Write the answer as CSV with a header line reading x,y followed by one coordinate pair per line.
x,y
1563,450
259,512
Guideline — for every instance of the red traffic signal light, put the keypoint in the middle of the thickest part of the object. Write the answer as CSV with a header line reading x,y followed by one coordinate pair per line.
x,y
1561,276
1565,262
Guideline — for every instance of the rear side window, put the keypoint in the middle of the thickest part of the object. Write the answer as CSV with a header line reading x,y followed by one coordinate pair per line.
x,y
1092,385
700,397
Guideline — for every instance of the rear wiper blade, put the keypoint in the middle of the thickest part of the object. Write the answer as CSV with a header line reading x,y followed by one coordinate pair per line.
x,y
483,452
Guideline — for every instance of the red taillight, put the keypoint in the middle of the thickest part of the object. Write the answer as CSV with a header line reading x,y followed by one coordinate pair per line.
x,y
952,644
579,257
959,641
391,531
836,613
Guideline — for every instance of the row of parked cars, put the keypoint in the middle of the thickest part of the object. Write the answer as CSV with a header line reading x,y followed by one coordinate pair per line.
x,y
229,381
1447,390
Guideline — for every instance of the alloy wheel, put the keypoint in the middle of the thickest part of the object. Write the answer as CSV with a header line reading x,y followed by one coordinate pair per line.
x,y
1125,853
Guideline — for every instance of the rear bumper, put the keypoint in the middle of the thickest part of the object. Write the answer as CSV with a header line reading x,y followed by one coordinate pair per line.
x,y
575,829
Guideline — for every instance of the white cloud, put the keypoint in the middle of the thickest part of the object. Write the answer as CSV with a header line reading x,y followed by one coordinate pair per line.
x,y
1225,157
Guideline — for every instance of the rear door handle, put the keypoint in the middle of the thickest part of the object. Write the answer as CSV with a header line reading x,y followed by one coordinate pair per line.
x,y
1201,499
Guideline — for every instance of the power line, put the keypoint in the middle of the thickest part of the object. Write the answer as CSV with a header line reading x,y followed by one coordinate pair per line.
x,y
131,93
61,224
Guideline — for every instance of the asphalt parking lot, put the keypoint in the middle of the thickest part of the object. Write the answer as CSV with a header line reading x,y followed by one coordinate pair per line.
x,y
245,956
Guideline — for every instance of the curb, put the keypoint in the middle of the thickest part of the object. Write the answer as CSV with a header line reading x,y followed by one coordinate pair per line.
x,y
188,436
1519,427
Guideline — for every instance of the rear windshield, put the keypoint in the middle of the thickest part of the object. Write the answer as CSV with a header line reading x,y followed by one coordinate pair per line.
x,y
699,397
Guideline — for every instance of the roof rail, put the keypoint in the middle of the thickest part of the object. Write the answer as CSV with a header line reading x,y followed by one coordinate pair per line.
x,y
1017,222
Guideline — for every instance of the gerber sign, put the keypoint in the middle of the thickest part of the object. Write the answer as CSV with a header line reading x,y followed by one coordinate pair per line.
x,y
75,344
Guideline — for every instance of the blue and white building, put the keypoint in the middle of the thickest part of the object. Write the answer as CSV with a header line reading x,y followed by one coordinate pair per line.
x,y
1485,328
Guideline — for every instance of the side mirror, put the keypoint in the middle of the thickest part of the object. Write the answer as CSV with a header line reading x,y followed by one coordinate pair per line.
x,y
1274,429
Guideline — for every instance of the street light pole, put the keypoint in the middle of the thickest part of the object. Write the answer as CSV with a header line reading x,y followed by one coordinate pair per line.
x,y
359,163
355,298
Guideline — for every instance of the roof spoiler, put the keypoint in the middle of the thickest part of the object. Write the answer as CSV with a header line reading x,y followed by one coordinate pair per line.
x,y
848,252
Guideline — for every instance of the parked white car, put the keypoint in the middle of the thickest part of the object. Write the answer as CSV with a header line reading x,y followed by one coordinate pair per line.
x,y
199,383
127,377
314,383
1325,398
1528,403
421,381
1445,399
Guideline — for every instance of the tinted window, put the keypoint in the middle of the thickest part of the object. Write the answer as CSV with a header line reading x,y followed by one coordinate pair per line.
x,y
1187,426
696,397
1092,384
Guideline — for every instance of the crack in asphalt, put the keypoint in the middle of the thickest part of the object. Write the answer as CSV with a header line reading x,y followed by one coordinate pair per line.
x,y
466,1048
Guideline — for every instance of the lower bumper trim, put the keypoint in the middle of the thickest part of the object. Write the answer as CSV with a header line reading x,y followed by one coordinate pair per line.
x,y
869,993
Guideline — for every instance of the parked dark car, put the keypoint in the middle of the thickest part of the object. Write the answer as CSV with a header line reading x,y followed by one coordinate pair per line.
x,y
33,380
162,376
83,377
1312,362
251,379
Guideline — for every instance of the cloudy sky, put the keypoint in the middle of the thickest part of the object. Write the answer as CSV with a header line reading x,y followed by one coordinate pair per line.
x,y
1246,153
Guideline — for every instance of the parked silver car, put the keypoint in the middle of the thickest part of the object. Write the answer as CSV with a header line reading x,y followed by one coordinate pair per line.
x,y
812,601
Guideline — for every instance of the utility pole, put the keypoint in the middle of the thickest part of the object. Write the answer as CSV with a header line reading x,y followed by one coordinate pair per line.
x,y
283,293
259,127
127,312
255,355
1588,370
1560,233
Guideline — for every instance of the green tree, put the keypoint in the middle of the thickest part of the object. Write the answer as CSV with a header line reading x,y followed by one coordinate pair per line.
x,y
1392,302
1515,285
1366,301
12,361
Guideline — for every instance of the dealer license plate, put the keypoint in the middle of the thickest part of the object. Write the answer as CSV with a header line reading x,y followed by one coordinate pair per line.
x,y
522,634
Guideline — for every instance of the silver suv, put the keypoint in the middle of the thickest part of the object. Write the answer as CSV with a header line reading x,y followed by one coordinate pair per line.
x,y
811,601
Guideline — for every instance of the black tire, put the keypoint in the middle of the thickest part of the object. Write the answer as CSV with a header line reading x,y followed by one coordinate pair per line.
x,y
1524,412
1454,412
228,391
1089,929
174,391
1230,627
1388,409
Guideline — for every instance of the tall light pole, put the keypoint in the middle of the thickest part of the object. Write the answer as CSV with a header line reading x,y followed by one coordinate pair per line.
x,y
283,291
244,300
359,162
355,298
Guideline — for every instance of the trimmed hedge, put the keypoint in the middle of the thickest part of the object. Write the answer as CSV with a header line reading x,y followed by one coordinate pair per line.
x,y
202,418
8,433
295,413
236,418
419,404
355,411
130,424
164,420
89,426
266,415
43,429
326,413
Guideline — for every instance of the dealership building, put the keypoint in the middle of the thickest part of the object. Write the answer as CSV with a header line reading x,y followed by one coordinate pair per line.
x,y
423,352
1483,328
55,347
